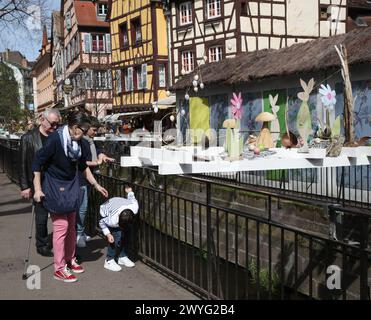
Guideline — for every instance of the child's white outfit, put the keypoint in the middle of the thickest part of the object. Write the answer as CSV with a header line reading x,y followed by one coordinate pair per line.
x,y
110,212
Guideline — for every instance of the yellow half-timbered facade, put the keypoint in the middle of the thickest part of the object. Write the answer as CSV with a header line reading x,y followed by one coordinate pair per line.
x,y
139,54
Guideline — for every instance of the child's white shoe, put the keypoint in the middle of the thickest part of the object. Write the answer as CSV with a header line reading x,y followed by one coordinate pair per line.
x,y
125,261
112,265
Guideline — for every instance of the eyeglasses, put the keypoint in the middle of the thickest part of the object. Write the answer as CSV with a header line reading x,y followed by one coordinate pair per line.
x,y
53,124
84,130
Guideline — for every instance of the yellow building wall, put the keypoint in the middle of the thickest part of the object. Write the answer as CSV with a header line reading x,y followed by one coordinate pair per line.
x,y
126,58
161,32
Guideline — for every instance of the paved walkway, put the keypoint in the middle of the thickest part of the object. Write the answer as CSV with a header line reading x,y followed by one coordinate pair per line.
x,y
139,283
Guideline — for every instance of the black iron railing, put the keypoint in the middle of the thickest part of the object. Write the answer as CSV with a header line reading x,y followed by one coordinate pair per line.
x,y
226,253
224,240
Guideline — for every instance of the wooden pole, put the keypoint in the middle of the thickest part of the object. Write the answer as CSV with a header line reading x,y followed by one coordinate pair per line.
x,y
348,97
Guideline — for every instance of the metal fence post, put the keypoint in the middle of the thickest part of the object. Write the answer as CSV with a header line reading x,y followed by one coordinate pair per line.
x,y
208,237
364,290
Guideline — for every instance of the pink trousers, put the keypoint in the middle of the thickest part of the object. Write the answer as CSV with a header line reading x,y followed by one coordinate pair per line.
x,y
64,238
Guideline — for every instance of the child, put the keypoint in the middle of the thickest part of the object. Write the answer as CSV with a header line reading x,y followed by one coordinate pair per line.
x,y
116,213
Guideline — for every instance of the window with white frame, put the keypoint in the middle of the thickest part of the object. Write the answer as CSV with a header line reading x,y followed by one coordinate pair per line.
x,y
188,61
102,9
185,13
213,8
215,53
68,20
162,76
97,42
102,79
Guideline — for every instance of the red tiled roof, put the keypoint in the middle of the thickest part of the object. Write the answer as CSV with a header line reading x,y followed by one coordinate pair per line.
x,y
86,14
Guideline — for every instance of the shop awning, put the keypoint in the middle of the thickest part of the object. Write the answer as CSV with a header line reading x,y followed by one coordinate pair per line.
x,y
115,117
166,103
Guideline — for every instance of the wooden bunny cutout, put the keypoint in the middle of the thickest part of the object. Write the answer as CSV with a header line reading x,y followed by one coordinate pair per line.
x,y
304,120
275,124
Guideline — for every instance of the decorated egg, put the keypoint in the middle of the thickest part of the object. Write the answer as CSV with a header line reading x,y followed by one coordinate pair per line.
x,y
256,151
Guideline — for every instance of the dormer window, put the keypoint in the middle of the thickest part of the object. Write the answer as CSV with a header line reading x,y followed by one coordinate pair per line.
x,y
102,9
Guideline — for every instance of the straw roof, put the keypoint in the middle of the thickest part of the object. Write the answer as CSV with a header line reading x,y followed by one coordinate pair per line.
x,y
310,56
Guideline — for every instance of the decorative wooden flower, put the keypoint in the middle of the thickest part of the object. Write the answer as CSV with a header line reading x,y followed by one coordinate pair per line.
x,y
328,96
237,106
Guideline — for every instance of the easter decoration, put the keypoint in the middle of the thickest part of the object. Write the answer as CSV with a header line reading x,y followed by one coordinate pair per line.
x,y
265,138
288,140
303,120
328,98
234,140
275,125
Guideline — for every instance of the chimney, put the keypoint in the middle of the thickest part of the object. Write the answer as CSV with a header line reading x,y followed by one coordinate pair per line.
x,y
45,38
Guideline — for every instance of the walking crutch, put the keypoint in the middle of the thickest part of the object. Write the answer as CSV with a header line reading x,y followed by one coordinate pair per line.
x,y
26,260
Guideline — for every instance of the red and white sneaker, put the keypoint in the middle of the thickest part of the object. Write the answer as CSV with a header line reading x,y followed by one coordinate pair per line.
x,y
65,275
74,266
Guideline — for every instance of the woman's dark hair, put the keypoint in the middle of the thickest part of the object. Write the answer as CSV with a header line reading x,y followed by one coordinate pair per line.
x,y
94,122
126,217
78,118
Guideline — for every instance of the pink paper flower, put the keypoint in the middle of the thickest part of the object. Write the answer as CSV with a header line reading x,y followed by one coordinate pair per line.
x,y
237,106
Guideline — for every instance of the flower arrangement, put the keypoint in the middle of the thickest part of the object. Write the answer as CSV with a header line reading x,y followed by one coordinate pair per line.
x,y
328,98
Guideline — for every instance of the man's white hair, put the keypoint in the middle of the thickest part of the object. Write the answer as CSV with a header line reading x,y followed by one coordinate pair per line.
x,y
47,112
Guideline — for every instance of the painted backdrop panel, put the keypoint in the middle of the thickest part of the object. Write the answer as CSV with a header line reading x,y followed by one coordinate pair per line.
x,y
199,117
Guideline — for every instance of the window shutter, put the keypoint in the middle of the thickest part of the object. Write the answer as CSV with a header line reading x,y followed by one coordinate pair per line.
x,y
118,81
73,49
144,76
77,44
109,79
87,43
130,79
126,76
108,43
89,79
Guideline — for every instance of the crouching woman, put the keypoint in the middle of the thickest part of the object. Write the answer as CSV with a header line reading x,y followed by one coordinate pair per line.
x,y
60,161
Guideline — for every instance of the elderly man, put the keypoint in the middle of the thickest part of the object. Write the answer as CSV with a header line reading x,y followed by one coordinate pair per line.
x,y
31,142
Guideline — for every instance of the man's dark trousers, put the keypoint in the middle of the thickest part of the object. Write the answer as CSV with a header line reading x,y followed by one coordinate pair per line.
x,y
41,221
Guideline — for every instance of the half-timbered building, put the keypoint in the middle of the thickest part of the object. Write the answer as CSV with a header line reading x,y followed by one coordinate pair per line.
x,y
43,77
87,56
139,54
211,30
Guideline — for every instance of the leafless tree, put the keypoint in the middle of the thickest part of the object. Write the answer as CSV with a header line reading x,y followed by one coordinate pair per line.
x,y
22,20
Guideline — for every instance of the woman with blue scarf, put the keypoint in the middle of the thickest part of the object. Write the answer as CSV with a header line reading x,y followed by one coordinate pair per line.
x,y
59,162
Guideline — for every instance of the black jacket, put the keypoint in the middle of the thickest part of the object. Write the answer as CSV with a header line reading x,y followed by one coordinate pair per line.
x,y
30,144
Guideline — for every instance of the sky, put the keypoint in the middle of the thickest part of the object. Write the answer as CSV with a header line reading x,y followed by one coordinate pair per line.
x,y
28,42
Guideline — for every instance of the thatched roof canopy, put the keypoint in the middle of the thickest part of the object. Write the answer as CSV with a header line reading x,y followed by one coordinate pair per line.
x,y
306,57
